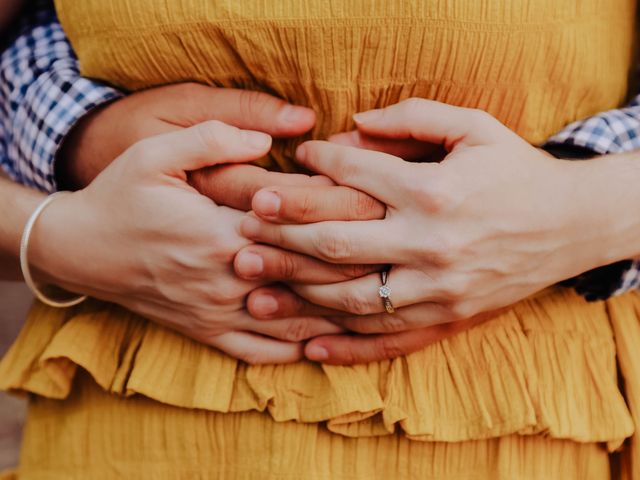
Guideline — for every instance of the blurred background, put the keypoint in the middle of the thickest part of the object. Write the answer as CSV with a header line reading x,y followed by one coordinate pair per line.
x,y
15,300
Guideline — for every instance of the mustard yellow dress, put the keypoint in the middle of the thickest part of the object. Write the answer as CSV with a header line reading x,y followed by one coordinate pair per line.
x,y
549,390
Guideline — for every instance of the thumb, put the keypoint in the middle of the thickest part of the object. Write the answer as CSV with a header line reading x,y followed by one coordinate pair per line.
x,y
203,145
433,122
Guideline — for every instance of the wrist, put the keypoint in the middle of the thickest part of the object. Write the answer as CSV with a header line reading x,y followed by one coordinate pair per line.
x,y
604,201
52,249
73,170
84,153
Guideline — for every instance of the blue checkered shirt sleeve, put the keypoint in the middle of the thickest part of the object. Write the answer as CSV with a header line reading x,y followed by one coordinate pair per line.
x,y
614,131
42,96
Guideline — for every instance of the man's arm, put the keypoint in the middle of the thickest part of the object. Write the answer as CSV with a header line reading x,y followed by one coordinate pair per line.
x,y
42,97
610,132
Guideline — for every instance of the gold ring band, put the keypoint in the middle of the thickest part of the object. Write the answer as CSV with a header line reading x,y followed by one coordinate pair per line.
x,y
384,292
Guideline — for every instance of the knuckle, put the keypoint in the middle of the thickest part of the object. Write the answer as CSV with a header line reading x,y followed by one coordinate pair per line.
x,y
354,271
297,331
252,357
201,323
460,310
479,117
287,266
224,295
304,209
348,171
186,88
332,246
144,152
349,357
414,104
221,250
441,251
392,323
455,288
389,347
356,303
361,205
211,134
434,192
252,103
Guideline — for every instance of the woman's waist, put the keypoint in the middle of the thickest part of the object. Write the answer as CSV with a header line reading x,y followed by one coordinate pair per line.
x,y
341,61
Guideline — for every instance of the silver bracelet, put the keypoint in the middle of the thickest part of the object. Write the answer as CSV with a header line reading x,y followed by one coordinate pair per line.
x,y
24,260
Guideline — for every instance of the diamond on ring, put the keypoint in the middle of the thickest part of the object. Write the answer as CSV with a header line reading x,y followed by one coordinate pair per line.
x,y
384,292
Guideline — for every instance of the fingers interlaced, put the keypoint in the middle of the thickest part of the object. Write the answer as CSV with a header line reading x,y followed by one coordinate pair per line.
x,y
266,263
350,350
279,302
354,242
301,204
256,349
235,185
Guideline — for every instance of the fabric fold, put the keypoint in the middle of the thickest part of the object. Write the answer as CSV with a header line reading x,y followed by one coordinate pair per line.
x,y
521,373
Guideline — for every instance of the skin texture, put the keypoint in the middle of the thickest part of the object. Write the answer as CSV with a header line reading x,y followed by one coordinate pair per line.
x,y
458,250
16,205
107,132
104,224
323,299
182,278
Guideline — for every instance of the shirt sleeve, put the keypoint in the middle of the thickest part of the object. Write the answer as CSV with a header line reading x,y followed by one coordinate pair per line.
x,y
613,131
42,96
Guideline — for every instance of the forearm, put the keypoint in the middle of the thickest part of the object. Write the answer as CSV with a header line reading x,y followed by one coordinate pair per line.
x,y
42,97
607,133
17,203
604,197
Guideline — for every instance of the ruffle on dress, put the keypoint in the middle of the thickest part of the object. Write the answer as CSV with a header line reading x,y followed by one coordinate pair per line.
x,y
547,366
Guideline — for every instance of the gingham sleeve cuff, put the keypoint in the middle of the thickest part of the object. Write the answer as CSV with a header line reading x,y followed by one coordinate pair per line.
x,y
614,131
42,97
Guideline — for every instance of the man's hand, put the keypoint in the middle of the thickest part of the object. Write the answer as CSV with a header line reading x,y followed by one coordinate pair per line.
x,y
107,132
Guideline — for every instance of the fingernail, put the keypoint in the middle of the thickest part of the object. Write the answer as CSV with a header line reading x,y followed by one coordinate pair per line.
x,y
265,305
367,117
316,353
256,140
250,227
249,265
266,203
292,114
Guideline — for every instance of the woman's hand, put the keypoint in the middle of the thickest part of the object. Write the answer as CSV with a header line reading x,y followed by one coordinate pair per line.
x,y
141,237
493,223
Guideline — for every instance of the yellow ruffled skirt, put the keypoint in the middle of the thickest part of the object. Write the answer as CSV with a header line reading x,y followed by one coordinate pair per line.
x,y
532,394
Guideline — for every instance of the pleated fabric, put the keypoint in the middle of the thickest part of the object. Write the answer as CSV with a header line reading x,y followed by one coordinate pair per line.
x,y
147,440
550,389
544,371
536,65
